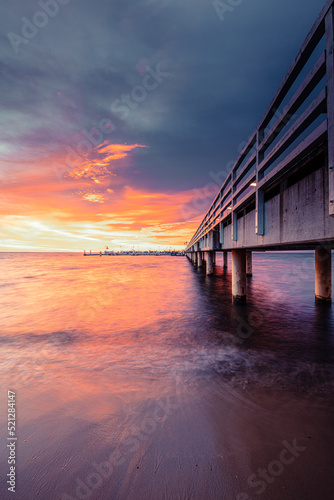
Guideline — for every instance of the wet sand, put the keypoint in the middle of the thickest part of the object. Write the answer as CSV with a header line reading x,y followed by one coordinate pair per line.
x,y
182,440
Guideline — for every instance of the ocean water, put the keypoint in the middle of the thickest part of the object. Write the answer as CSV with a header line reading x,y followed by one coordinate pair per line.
x,y
94,346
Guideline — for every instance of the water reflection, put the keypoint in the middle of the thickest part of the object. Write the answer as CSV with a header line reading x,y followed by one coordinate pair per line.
x,y
93,345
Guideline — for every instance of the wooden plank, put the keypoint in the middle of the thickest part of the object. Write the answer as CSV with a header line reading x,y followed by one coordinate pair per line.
x,y
246,182
330,103
311,41
250,144
311,81
212,223
227,204
225,184
243,202
246,167
227,195
227,180
227,201
299,152
310,114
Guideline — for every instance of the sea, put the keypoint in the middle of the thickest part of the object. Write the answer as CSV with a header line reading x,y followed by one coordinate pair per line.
x,y
137,378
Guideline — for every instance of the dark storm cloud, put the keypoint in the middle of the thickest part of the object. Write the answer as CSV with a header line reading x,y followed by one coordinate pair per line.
x,y
219,77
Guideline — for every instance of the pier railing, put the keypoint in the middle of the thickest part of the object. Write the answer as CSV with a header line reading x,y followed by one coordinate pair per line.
x,y
299,119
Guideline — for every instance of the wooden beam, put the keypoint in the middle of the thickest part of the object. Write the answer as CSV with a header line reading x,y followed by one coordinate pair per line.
x,y
317,107
246,167
250,144
311,41
245,184
313,139
311,81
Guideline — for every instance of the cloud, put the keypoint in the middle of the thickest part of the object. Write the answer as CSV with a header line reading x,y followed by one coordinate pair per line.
x,y
135,217
93,197
61,85
97,164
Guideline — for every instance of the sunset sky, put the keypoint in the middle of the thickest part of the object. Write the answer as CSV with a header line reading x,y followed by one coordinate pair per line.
x,y
120,118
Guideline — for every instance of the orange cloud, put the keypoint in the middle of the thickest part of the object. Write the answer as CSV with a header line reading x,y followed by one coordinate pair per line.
x,y
97,163
95,198
44,211
117,148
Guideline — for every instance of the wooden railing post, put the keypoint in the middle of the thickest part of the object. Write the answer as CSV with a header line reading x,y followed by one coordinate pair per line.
x,y
329,22
234,220
259,209
221,232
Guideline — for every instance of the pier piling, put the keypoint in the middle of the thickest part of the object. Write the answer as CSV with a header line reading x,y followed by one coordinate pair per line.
x,y
239,276
323,275
209,262
249,264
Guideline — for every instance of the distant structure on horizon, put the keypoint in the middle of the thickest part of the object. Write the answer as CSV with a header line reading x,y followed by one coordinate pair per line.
x,y
173,253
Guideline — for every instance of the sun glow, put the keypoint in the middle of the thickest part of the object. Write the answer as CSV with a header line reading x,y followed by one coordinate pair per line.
x,y
47,208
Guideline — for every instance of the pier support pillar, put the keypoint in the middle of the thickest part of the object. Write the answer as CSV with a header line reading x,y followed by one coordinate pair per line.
x,y
323,275
225,259
239,276
209,262
214,258
199,259
249,265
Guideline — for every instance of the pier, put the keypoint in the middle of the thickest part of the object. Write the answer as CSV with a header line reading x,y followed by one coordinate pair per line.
x,y
279,194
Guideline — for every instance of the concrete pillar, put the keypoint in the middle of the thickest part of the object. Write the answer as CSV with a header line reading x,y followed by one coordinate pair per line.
x,y
323,275
199,259
239,275
225,259
209,262
249,266
214,258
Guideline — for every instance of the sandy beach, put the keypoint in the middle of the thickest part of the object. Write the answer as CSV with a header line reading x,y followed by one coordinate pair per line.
x,y
196,441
